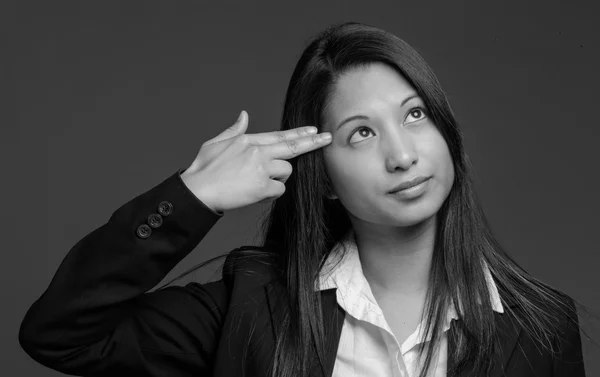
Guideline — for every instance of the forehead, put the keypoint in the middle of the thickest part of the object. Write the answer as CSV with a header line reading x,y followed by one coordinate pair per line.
x,y
376,84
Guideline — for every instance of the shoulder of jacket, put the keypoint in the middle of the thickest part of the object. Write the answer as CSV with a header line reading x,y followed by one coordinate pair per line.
x,y
249,266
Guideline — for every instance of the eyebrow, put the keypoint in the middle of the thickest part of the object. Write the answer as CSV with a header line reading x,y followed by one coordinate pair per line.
x,y
355,117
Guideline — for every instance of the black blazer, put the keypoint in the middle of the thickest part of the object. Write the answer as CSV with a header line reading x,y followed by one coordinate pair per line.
x,y
97,319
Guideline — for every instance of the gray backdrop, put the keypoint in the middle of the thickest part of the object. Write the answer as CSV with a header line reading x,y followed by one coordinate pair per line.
x,y
107,99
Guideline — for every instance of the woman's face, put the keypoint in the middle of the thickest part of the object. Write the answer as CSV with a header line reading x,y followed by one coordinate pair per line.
x,y
393,141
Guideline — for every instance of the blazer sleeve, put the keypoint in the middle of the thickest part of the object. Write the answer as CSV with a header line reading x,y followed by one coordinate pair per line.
x,y
96,318
569,361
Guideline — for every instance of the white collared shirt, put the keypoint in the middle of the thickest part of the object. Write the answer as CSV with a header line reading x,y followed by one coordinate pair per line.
x,y
367,345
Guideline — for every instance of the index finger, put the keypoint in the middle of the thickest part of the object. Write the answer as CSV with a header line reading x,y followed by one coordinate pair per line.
x,y
295,147
273,137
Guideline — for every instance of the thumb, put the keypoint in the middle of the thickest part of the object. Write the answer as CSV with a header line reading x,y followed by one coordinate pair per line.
x,y
241,124
239,127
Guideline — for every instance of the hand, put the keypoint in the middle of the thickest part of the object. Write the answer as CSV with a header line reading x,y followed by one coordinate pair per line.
x,y
235,169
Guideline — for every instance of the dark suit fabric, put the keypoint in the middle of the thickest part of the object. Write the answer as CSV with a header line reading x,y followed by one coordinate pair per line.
x,y
97,317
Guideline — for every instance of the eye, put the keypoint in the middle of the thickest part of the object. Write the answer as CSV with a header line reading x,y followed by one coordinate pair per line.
x,y
359,130
416,112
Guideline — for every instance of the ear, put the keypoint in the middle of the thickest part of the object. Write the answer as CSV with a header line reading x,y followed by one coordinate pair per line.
x,y
330,194
329,188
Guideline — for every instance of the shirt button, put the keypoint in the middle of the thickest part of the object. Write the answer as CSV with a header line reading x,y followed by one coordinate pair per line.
x,y
155,220
144,231
165,208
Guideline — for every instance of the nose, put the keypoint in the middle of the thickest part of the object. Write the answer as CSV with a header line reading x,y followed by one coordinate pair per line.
x,y
398,149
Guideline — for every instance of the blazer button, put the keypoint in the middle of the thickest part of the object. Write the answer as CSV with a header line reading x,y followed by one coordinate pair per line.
x,y
155,220
144,231
165,208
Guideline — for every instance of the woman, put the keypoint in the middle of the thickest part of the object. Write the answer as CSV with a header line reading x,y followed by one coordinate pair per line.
x,y
356,275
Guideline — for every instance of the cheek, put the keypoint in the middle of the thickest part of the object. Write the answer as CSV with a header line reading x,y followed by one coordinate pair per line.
x,y
444,164
348,177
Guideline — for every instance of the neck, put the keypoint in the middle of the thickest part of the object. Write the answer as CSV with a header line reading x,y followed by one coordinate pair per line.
x,y
396,260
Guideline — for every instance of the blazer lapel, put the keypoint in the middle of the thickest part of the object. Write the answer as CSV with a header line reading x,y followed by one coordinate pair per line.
x,y
508,331
333,315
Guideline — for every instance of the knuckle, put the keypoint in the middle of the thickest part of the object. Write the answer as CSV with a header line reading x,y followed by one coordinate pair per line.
x,y
293,145
281,188
280,136
263,184
244,139
261,171
253,149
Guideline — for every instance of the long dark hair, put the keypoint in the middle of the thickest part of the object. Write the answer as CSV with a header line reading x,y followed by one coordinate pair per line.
x,y
303,225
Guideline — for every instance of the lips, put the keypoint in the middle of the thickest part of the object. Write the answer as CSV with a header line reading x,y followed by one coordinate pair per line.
x,y
413,182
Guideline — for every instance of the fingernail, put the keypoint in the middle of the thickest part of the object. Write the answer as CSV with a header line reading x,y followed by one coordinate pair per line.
x,y
312,130
326,136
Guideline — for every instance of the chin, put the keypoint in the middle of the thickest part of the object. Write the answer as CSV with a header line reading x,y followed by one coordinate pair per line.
x,y
404,221
410,216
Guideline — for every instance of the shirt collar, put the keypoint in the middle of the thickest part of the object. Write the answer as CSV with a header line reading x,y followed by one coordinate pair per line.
x,y
348,274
